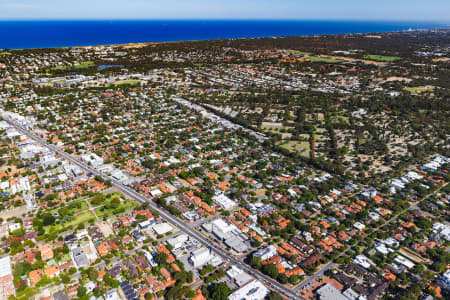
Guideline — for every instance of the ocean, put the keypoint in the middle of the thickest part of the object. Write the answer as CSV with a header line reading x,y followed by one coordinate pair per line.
x,y
46,34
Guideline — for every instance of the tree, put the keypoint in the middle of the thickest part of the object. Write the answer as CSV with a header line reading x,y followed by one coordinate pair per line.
x,y
293,279
206,269
81,291
257,244
419,269
220,291
92,274
65,278
98,292
282,278
161,258
180,277
38,255
271,270
16,247
190,276
256,262
275,296
423,223
191,294
438,267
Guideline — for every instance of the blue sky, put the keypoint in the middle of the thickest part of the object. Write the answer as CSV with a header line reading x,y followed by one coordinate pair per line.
x,y
420,10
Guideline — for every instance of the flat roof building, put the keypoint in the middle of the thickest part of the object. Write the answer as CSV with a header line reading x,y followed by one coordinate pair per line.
x,y
200,257
266,253
224,201
162,228
79,257
238,275
254,290
178,241
6,278
329,292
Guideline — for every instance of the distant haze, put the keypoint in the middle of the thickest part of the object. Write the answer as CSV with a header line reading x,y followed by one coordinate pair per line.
x,y
419,10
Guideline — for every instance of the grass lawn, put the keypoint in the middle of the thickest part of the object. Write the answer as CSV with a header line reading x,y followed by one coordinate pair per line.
x,y
65,258
277,129
313,58
271,129
418,89
73,222
84,217
74,210
320,130
4,53
127,82
295,52
80,65
381,58
301,146
322,59
124,206
340,119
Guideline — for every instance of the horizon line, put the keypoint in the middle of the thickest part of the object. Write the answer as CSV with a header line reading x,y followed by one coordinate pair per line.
x,y
225,19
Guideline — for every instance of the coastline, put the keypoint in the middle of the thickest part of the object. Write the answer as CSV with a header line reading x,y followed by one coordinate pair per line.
x,y
154,33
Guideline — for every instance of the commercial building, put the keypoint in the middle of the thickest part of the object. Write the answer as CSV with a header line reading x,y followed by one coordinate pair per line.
x,y
162,228
178,241
229,234
92,159
266,253
6,278
254,290
238,275
224,201
200,257
329,292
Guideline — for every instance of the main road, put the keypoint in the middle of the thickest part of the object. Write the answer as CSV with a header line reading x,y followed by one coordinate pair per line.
x,y
166,215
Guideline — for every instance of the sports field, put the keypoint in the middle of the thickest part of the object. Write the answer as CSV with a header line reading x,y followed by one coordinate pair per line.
x,y
127,82
80,65
418,89
381,58
302,147
322,59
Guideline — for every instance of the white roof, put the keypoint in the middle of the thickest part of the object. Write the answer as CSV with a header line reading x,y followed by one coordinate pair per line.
x,y
5,266
156,192
219,224
359,226
200,257
224,201
363,261
380,247
162,228
254,290
239,276
329,292
177,241
403,261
